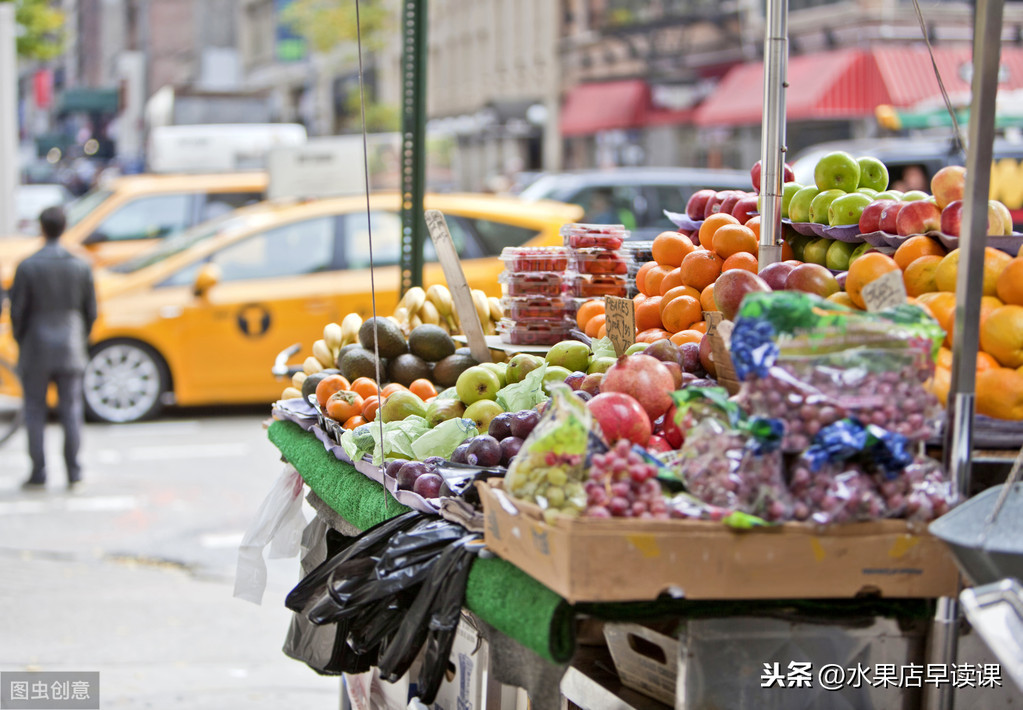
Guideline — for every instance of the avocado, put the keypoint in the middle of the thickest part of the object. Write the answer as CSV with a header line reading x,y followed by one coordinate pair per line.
x,y
430,342
309,385
345,349
406,369
446,372
357,363
391,339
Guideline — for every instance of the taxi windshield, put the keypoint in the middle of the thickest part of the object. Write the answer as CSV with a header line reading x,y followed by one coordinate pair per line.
x,y
81,208
180,242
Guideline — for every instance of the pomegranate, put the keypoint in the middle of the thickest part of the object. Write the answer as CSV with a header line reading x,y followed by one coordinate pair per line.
x,y
643,378
620,417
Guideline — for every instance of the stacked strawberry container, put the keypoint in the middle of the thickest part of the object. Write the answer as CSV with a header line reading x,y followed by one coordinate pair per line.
x,y
599,267
535,301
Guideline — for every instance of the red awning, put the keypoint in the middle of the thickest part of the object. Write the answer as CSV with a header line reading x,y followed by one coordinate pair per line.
x,y
909,75
590,108
840,84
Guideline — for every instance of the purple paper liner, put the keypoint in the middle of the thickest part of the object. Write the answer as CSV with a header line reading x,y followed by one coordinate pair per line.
x,y
1009,243
875,239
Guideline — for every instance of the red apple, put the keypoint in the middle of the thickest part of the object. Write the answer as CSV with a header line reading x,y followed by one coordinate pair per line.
x,y
870,219
746,208
917,217
811,278
732,286
774,275
888,216
948,184
731,200
952,218
787,175
671,429
707,356
716,203
620,417
698,203
658,444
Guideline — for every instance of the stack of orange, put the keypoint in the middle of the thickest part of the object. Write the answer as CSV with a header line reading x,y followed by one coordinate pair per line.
x,y
678,285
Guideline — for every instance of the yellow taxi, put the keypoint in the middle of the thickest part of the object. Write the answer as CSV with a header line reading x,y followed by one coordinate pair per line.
x,y
200,318
130,214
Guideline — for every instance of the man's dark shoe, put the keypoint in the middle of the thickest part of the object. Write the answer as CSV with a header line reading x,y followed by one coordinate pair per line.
x,y
34,484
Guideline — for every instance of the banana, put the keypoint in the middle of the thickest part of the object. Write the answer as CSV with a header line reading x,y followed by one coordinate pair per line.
x,y
429,314
440,297
479,299
350,329
496,312
413,300
333,336
322,353
311,365
395,321
291,393
297,379
402,314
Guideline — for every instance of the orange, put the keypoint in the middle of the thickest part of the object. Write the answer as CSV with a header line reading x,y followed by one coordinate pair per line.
x,y
699,326
843,299
587,311
987,306
707,299
343,405
754,224
423,389
732,239
669,248
679,291
370,407
593,325
352,422
602,330
942,306
919,275
916,302
864,270
641,276
639,298
700,269
711,224
742,260
1000,393
680,313
986,362
940,384
915,247
1001,335
672,279
365,387
654,277
652,335
786,251
328,386
686,336
648,313
1010,283
944,357
390,389
995,262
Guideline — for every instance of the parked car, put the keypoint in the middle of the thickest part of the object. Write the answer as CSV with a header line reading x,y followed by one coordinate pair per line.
x,y
913,161
200,318
126,217
639,196
31,200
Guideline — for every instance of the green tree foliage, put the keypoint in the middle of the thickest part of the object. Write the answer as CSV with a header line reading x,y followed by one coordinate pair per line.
x,y
40,29
327,24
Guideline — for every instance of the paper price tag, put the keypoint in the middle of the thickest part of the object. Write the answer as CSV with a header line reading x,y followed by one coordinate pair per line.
x,y
724,331
885,292
620,320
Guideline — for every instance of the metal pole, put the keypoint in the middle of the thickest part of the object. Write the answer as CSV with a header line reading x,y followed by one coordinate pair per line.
x,y
8,118
772,135
958,439
413,140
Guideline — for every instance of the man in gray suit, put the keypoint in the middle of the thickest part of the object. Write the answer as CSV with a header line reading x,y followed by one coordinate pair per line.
x,y
53,307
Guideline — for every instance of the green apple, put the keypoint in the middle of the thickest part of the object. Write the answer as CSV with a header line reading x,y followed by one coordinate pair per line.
x,y
859,251
868,191
636,348
914,195
848,208
602,364
837,171
798,243
554,373
873,173
500,369
799,203
477,383
889,195
572,355
816,252
820,204
787,191
838,255
520,366
482,412
1004,213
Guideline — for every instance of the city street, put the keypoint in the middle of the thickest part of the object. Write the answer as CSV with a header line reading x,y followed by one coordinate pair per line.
x,y
133,575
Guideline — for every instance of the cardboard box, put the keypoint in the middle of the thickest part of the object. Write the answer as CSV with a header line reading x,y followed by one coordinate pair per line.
x,y
463,685
633,560
645,659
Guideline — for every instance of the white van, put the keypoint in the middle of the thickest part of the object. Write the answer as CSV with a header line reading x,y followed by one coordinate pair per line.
x,y
219,147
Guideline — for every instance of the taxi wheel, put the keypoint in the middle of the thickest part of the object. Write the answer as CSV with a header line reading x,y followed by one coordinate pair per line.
x,y
124,382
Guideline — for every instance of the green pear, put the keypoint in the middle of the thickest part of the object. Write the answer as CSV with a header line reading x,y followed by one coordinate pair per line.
x,y
572,355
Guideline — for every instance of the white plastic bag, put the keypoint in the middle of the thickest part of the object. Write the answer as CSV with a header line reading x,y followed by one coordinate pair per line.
x,y
279,523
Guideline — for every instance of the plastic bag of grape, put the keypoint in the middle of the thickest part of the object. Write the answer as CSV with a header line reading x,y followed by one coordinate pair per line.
x,y
550,467
811,363
728,460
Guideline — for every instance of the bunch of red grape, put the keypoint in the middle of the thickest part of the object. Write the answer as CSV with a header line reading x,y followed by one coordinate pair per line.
x,y
921,492
837,493
623,484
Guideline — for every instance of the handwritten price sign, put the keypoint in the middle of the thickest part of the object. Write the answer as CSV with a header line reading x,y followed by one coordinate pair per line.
x,y
885,292
620,320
